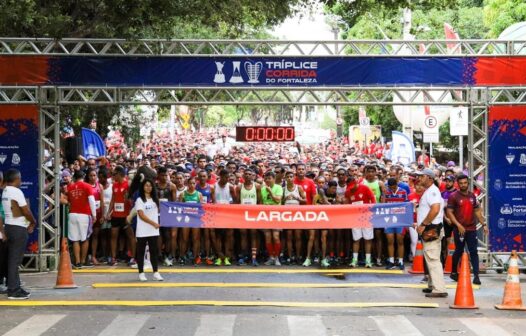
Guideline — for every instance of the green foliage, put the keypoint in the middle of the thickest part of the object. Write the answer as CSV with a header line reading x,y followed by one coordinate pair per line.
x,y
379,115
328,122
500,14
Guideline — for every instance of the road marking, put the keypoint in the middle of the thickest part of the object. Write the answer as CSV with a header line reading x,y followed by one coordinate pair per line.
x,y
240,270
261,285
396,325
306,325
131,303
217,325
484,327
35,325
128,325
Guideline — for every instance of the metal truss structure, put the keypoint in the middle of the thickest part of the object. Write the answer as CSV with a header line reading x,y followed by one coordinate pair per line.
x,y
347,48
50,98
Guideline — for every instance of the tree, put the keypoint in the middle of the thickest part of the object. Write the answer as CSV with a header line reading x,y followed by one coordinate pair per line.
x,y
500,14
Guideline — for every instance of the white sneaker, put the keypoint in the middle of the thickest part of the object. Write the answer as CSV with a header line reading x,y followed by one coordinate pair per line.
x,y
277,262
142,277
157,276
168,262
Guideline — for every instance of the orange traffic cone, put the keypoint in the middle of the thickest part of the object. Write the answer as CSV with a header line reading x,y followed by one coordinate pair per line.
x,y
512,299
418,261
65,274
449,259
464,295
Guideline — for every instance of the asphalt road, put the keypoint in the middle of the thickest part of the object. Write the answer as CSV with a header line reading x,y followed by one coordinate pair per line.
x,y
212,309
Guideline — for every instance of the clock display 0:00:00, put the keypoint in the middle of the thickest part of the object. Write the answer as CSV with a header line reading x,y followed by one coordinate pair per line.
x,y
265,133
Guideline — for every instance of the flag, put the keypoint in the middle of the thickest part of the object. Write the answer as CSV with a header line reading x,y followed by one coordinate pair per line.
x,y
452,48
92,144
402,149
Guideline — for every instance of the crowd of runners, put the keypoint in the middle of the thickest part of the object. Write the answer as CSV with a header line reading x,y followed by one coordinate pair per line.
x,y
114,217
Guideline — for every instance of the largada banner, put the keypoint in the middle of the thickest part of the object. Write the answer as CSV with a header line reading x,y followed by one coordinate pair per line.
x,y
233,216
19,149
507,178
268,71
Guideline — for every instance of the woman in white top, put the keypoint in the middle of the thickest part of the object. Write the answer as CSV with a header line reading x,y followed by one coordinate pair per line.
x,y
147,206
293,194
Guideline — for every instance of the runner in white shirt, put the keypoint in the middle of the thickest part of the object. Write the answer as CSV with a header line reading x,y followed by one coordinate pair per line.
x,y
147,206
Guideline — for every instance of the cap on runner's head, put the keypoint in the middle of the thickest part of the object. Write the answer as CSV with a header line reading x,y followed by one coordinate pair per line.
x,y
427,172
451,164
450,178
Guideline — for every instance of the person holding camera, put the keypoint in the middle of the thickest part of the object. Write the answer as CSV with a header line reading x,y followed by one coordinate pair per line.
x,y
430,215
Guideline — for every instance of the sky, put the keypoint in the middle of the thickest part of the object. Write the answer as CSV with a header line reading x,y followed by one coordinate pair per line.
x,y
308,27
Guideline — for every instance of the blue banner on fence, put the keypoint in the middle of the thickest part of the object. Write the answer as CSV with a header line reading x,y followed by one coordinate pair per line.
x,y
507,178
257,71
19,150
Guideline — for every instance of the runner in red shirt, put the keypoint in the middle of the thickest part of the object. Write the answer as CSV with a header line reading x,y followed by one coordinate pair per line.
x,y
360,194
82,212
119,209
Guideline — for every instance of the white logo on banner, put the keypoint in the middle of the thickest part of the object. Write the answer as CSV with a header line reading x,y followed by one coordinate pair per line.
x,y
253,71
186,219
522,160
498,184
179,218
510,158
501,223
395,219
219,76
3,157
16,159
236,73
386,219
506,210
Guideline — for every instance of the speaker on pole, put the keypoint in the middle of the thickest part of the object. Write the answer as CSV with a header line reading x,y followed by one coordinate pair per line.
x,y
72,148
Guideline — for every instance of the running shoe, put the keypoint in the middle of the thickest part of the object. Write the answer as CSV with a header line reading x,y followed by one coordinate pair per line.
x,y
255,263
271,261
476,280
227,262
379,262
368,264
293,260
325,263
197,261
167,262
425,279
18,294
316,260
354,262
182,261
241,262
77,266
307,262
87,264
3,290
112,262
209,261
401,266
142,277
157,276
277,262
389,265
218,262
132,263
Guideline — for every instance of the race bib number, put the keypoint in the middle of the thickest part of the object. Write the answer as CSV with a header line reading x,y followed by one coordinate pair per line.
x,y
119,207
163,199
205,199
358,202
248,202
97,205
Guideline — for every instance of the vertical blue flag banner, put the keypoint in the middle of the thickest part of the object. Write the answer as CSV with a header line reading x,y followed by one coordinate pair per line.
x,y
402,149
507,178
92,144
235,216
19,150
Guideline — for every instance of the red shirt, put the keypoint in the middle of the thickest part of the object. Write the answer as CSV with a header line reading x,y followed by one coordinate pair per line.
x,y
309,187
463,207
362,195
415,199
78,194
121,206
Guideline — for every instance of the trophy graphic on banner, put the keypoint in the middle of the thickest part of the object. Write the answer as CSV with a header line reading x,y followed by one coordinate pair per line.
x,y
236,74
253,71
220,76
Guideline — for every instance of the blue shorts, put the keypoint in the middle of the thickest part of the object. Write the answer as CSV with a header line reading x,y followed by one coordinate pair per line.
x,y
397,230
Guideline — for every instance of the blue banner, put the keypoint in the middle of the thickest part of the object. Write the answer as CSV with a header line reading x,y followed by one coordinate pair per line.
x,y
507,178
92,144
19,150
258,71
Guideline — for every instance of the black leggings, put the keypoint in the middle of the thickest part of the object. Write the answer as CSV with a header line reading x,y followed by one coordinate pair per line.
x,y
154,252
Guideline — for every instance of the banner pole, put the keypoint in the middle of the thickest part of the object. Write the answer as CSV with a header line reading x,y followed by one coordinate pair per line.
x,y
461,151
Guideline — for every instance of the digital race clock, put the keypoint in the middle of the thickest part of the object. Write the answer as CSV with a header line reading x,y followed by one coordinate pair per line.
x,y
264,133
